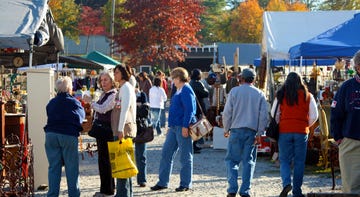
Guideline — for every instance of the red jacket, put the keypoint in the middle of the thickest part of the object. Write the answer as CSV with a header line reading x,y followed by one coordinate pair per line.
x,y
295,119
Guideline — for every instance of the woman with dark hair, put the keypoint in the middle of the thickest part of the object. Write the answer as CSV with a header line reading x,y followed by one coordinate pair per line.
x,y
297,111
144,83
201,93
126,101
157,98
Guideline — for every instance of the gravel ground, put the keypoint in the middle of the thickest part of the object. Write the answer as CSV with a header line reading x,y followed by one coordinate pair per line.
x,y
209,177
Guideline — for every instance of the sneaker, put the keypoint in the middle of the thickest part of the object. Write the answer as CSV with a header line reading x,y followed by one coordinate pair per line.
x,y
142,185
285,191
181,189
231,195
157,187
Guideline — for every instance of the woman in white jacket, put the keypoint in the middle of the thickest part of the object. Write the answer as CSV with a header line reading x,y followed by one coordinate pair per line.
x,y
157,98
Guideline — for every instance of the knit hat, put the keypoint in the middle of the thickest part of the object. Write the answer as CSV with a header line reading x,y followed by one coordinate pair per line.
x,y
248,73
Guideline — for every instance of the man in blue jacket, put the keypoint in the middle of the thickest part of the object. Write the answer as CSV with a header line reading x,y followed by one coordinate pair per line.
x,y
345,128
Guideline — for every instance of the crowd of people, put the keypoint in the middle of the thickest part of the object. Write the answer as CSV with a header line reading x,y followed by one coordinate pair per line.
x,y
245,116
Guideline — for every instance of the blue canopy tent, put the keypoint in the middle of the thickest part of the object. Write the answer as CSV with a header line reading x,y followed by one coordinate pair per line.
x,y
340,41
296,62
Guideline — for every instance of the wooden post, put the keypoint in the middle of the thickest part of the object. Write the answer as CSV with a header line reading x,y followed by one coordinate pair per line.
x,y
236,61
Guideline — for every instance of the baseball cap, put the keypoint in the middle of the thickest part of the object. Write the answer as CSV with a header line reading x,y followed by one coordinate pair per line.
x,y
212,76
248,73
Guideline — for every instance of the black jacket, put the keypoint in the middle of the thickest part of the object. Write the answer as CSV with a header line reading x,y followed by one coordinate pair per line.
x,y
201,92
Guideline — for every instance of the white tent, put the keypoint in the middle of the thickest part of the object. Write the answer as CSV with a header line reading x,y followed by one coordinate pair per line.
x,y
21,20
283,30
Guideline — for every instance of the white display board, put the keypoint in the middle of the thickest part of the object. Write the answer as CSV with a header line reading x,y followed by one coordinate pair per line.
x,y
40,89
219,141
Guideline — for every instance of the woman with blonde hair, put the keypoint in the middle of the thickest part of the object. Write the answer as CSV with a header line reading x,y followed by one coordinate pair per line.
x,y
181,115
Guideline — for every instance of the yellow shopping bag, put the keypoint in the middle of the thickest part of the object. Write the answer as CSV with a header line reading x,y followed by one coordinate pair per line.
x,y
122,159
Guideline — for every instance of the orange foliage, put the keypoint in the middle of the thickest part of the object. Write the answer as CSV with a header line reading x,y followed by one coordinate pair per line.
x,y
276,5
246,26
55,6
156,27
90,23
297,6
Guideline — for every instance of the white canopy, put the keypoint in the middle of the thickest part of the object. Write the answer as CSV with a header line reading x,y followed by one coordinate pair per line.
x,y
20,19
283,30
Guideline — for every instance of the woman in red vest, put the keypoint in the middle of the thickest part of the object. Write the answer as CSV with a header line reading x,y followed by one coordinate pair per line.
x,y
297,111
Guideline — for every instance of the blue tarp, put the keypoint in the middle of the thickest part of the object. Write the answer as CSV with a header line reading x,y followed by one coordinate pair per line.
x,y
340,41
296,62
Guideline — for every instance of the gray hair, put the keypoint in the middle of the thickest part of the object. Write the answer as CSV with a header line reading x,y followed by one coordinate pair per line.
x,y
108,73
64,84
356,59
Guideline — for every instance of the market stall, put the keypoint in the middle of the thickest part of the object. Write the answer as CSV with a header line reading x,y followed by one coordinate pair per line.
x,y
28,36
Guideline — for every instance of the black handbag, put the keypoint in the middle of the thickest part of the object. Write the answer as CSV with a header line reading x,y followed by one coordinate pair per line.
x,y
145,131
144,135
101,130
272,131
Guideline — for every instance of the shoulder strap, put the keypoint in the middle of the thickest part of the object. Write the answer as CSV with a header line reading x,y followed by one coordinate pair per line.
x,y
277,106
202,112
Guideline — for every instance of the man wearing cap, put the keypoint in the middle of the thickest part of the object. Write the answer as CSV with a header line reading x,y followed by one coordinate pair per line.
x,y
245,117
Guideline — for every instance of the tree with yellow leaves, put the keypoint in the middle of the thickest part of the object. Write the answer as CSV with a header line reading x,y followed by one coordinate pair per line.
x,y
246,24
276,5
297,6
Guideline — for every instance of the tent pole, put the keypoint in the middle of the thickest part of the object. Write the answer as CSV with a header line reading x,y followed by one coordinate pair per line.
x,y
31,50
269,79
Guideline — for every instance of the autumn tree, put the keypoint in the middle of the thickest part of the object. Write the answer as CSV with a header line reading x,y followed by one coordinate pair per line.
x,y
297,6
156,28
66,14
90,23
246,26
276,5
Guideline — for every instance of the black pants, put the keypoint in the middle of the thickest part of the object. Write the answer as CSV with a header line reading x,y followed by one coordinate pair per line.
x,y
107,183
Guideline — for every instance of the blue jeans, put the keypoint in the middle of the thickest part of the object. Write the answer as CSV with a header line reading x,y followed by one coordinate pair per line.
x,y
62,149
140,157
175,142
155,119
162,116
241,148
123,186
292,147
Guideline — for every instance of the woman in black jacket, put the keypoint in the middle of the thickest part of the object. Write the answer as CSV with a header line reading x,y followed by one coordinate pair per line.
x,y
201,92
